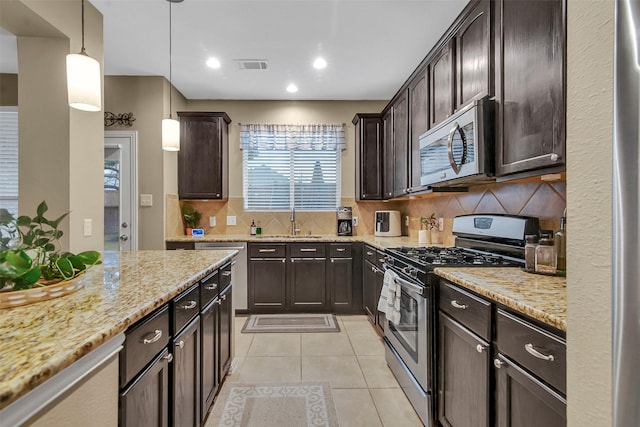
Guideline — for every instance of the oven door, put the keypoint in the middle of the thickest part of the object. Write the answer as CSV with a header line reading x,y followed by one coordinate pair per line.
x,y
411,336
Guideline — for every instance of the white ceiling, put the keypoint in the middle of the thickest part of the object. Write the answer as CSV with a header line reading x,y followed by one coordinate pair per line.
x,y
371,46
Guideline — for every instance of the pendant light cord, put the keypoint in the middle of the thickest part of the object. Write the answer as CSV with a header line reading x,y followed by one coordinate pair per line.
x,y
82,20
170,88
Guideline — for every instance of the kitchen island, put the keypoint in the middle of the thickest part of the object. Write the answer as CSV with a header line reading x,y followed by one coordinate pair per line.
x,y
47,338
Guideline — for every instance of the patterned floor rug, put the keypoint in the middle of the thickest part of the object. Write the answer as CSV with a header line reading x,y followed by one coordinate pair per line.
x,y
274,405
257,323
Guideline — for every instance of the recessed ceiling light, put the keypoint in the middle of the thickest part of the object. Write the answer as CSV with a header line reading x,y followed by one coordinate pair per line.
x,y
292,88
213,63
319,63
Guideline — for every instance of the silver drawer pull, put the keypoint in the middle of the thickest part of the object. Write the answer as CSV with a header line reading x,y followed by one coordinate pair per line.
x,y
535,353
369,253
168,358
262,251
341,249
211,287
157,334
498,363
456,304
308,250
180,344
480,348
190,305
226,273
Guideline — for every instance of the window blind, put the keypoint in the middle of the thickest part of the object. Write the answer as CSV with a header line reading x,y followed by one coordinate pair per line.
x,y
9,160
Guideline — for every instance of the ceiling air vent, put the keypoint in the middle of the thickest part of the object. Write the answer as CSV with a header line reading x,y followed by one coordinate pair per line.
x,y
251,64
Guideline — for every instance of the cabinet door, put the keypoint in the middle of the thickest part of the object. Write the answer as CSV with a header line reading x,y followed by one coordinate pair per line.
x,y
369,163
400,145
442,80
418,97
523,401
186,377
209,355
307,284
225,337
267,284
369,285
202,159
145,403
531,71
463,373
388,155
340,280
473,56
381,318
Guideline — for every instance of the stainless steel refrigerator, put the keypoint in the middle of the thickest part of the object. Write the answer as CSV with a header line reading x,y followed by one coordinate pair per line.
x,y
626,232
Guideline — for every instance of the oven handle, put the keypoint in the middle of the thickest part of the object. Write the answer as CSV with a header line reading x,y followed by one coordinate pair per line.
x,y
413,287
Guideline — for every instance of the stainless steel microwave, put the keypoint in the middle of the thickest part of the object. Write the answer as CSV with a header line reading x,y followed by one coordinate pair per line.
x,y
460,150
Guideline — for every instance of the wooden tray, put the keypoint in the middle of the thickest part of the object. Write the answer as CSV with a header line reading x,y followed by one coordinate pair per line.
x,y
42,293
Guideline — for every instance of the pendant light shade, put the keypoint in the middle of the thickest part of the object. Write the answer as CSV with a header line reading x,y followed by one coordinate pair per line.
x,y
83,79
170,135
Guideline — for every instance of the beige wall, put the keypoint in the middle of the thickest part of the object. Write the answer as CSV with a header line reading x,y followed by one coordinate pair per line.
x,y
60,148
148,99
589,182
8,89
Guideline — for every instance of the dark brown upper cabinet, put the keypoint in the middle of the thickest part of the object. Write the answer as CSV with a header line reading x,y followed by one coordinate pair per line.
x,y
203,155
369,156
387,154
441,100
400,154
530,40
419,121
474,65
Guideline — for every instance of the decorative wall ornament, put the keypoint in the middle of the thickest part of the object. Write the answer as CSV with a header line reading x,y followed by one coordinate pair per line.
x,y
123,119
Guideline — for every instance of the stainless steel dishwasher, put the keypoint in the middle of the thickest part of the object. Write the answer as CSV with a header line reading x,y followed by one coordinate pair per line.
x,y
238,269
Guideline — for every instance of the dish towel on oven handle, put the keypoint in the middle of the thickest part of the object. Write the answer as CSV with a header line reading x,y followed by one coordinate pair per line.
x,y
389,302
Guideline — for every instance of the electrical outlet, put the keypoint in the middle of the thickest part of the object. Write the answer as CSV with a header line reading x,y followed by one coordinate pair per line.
x,y
231,220
406,220
212,221
87,227
146,200
441,224
354,221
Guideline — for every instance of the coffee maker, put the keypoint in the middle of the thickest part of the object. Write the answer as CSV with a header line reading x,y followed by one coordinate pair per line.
x,y
345,225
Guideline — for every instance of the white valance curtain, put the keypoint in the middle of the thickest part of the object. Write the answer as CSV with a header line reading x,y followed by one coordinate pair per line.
x,y
319,137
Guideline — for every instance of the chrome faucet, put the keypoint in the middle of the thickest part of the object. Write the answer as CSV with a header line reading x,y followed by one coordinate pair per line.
x,y
292,218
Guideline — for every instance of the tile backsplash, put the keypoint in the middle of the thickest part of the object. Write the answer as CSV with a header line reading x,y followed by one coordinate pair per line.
x,y
545,200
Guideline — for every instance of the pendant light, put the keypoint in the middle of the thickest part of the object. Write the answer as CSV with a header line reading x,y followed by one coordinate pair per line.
x,y
83,79
170,126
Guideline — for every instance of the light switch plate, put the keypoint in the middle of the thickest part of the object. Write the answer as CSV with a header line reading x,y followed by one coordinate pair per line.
x,y
231,220
354,221
441,224
87,227
212,221
146,200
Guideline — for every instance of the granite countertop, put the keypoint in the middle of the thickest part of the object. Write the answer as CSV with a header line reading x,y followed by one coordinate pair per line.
x,y
541,297
40,340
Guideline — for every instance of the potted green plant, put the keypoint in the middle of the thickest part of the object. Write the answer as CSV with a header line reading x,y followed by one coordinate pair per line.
x,y
191,217
427,224
30,253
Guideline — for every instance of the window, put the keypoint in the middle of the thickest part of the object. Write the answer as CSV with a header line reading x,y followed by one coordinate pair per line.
x,y
9,159
287,166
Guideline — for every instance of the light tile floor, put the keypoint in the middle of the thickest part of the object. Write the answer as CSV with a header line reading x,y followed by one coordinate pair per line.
x,y
364,390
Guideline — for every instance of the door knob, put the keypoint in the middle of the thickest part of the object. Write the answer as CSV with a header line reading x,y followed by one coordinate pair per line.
x,y
124,225
124,237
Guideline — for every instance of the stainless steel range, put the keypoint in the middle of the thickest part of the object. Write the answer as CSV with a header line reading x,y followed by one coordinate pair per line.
x,y
481,241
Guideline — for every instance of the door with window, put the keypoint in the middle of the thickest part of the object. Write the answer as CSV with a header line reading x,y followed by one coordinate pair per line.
x,y
120,191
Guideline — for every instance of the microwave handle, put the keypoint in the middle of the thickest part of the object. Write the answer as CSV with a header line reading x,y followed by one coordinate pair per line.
x,y
452,161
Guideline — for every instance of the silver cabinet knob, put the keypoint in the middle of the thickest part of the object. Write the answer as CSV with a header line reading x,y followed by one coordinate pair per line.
x,y
180,344
480,348
498,363
554,157
124,237
168,358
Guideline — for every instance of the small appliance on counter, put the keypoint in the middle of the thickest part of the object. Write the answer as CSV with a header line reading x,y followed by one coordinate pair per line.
x,y
388,224
345,224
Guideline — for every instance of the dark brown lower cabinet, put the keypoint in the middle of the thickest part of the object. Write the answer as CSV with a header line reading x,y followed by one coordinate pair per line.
x,y
340,279
186,376
463,376
145,403
225,335
381,318
369,286
267,284
307,284
209,378
524,401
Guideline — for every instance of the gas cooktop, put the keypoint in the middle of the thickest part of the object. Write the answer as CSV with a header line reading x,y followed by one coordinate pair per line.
x,y
426,257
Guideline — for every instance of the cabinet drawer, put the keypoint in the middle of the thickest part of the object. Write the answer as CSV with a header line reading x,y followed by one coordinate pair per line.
x,y
308,250
470,310
370,254
379,259
185,307
225,275
267,250
209,288
142,343
340,250
539,351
